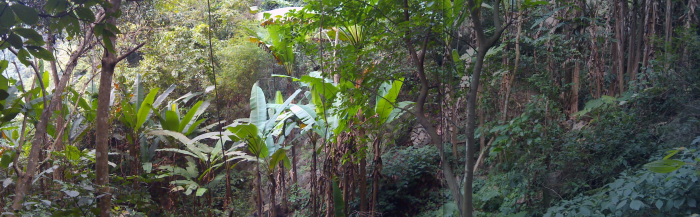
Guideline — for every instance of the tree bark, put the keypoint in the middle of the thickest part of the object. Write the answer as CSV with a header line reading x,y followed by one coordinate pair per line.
x,y
377,173
511,78
667,25
576,85
484,45
58,146
619,36
631,44
109,62
314,191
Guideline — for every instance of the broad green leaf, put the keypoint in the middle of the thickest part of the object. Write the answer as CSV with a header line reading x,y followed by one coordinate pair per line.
x,y
163,95
172,122
148,166
194,126
338,203
85,14
40,52
45,78
128,116
7,17
6,158
258,107
23,57
112,28
385,104
107,41
200,192
55,6
15,41
193,122
398,111
145,109
3,96
178,151
72,153
671,153
270,124
305,114
3,65
664,166
636,204
250,134
189,116
287,162
176,135
26,14
138,92
278,97
659,204
28,34
278,156
218,149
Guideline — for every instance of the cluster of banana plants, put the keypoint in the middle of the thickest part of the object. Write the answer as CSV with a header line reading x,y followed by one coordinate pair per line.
x,y
176,131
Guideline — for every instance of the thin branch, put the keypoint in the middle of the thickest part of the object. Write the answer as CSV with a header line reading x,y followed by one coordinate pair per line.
x,y
120,58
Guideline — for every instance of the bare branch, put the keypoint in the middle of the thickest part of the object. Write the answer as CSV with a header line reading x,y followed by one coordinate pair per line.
x,y
120,58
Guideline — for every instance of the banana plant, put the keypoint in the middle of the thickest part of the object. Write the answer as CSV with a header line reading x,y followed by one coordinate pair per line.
x,y
136,113
258,133
386,109
274,39
171,120
202,162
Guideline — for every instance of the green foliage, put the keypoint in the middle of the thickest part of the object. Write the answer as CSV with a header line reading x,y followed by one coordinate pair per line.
x,y
639,193
408,187
338,203
667,165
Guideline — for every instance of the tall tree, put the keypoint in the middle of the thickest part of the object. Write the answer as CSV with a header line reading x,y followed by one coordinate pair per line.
x,y
41,136
109,62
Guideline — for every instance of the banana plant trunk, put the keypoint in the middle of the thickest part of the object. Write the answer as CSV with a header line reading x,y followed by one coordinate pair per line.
x,y
376,174
273,188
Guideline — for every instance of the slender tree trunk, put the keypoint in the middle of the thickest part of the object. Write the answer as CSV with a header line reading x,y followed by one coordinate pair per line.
x,y
109,62
648,23
515,66
575,88
482,155
484,45
40,136
667,25
631,44
619,35
363,184
639,43
58,172
102,133
690,18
